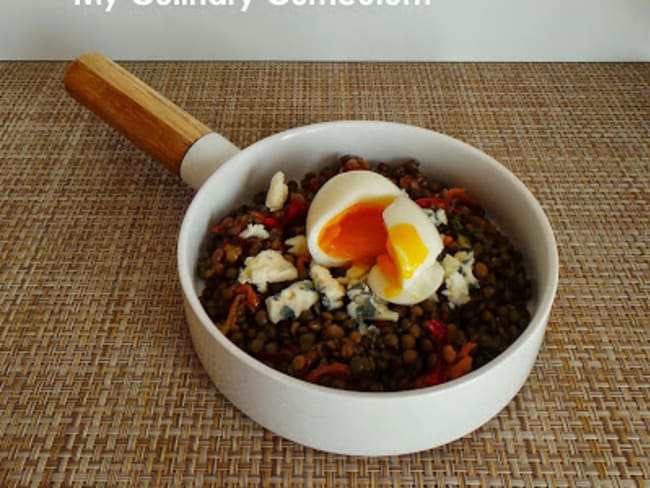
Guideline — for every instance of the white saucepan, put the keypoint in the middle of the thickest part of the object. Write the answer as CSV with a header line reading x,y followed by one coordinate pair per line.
x,y
324,418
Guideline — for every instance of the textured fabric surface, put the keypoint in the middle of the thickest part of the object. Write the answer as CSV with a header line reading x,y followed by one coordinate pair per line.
x,y
99,383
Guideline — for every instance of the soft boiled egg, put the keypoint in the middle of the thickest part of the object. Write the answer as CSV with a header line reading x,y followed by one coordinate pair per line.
x,y
344,222
361,217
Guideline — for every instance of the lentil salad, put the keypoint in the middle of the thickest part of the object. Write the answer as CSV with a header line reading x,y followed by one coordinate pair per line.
x,y
386,347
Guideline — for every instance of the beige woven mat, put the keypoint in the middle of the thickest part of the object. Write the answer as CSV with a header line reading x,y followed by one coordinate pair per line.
x,y
99,383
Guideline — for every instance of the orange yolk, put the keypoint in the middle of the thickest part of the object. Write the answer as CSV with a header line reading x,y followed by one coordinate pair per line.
x,y
406,253
406,248
389,268
357,234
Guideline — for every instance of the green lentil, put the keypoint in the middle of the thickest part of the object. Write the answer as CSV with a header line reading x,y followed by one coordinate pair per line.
x,y
390,355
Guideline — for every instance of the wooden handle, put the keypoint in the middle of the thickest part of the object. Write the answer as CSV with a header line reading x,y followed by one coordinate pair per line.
x,y
156,125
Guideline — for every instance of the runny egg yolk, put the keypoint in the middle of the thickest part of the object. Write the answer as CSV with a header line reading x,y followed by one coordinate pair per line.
x,y
406,248
406,253
359,234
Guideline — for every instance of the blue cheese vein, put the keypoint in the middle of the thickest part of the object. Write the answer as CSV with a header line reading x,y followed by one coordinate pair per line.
x,y
437,217
291,302
365,306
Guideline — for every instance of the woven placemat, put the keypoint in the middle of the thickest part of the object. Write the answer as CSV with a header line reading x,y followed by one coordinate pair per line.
x,y
99,383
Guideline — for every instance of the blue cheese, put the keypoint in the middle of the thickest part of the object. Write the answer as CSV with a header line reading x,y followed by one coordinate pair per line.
x,y
297,245
291,302
278,192
268,266
365,306
459,277
332,292
254,230
437,217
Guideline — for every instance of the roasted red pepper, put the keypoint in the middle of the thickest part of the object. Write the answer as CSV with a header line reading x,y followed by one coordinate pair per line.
x,y
297,209
338,369
462,197
438,330
231,319
434,202
252,298
435,377
443,371
452,197
270,222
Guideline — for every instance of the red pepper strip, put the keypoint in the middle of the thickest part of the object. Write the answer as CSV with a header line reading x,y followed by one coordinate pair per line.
x,y
461,196
463,364
231,319
434,202
338,369
252,298
460,367
467,348
296,209
270,222
433,378
216,229
438,330
443,372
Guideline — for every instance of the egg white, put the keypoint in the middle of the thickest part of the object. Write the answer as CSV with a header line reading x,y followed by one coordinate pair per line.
x,y
419,289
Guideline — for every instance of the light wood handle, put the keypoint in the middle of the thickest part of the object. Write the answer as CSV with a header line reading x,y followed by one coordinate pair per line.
x,y
156,125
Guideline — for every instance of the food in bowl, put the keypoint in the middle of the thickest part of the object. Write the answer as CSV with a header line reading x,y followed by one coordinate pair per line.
x,y
365,277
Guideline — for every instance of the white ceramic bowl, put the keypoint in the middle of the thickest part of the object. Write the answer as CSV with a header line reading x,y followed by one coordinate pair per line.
x,y
362,423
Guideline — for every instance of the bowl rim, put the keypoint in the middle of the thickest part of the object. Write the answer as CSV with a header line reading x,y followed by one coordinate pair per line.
x,y
539,318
